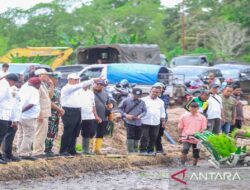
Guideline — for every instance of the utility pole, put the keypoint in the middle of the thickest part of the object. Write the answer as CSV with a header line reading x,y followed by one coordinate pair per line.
x,y
183,29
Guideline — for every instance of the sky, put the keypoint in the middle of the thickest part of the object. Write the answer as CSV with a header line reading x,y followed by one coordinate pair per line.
x,y
26,4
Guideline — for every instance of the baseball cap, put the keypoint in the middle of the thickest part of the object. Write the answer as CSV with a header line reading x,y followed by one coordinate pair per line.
x,y
41,72
194,105
101,82
73,76
137,91
158,84
214,85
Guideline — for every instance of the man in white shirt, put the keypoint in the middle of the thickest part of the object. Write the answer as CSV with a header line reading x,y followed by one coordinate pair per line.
x,y
214,111
29,94
6,106
151,121
89,117
4,70
71,103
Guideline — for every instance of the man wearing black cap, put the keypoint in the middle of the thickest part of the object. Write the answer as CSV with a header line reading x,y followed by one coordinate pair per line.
x,y
132,109
6,106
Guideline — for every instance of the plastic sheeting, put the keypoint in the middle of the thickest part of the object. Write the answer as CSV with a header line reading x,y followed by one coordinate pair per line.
x,y
143,74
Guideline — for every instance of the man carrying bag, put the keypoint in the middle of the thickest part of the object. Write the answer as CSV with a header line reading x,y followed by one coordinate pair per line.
x,y
132,109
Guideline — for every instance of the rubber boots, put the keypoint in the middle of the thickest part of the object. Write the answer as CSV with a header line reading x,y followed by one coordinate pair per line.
x,y
97,146
136,145
130,145
85,145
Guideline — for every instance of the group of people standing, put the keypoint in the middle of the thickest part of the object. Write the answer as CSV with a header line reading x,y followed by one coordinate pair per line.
x,y
217,110
32,113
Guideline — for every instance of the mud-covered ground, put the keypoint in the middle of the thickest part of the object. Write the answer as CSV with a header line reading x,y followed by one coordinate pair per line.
x,y
146,178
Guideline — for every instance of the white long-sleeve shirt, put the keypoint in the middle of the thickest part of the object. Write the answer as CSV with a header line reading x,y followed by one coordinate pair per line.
x,y
155,111
6,105
70,94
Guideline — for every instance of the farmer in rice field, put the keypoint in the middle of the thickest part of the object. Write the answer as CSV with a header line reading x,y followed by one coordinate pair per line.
x,y
189,124
132,109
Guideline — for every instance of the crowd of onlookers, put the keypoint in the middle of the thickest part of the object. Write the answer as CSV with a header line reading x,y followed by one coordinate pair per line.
x,y
32,112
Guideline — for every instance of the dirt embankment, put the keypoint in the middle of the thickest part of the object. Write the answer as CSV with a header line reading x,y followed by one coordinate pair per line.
x,y
61,166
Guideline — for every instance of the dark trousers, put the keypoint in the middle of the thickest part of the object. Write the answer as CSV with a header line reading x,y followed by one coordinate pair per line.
x,y
148,138
72,126
4,126
8,142
133,131
158,144
101,129
88,128
214,125
238,125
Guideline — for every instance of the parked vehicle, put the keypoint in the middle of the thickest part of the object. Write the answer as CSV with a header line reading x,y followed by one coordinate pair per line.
x,y
120,53
185,74
185,60
66,70
144,75
238,73
121,90
24,68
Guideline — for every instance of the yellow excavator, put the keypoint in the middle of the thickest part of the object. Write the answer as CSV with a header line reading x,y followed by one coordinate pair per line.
x,y
61,54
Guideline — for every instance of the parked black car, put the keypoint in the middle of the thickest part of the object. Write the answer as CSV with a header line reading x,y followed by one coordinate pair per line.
x,y
238,73
186,74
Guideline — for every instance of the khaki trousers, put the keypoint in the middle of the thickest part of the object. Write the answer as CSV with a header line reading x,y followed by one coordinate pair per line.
x,y
25,136
40,137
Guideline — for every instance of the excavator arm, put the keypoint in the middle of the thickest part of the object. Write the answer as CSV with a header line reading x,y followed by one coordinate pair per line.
x,y
61,54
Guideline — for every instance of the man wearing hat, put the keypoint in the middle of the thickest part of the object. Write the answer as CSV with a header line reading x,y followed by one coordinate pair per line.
x,y
214,111
151,122
6,106
103,109
56,113
71,102
190,123
30,103
132,110
46,92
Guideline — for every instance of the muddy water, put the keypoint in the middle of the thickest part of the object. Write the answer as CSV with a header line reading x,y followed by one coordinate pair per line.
x,y
148,178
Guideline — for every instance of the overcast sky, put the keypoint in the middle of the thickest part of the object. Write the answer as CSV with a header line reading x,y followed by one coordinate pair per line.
x,y
26,4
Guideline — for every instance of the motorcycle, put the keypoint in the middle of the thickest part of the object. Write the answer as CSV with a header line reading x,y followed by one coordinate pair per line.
x,y
121,91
